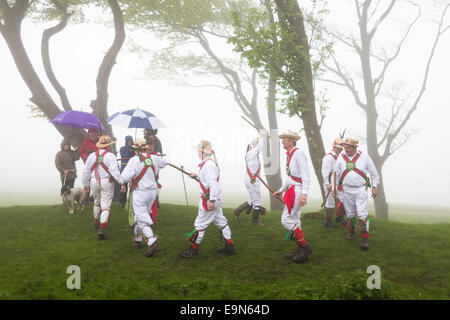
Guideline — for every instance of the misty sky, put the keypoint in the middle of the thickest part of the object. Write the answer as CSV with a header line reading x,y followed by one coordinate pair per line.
x,y
416,174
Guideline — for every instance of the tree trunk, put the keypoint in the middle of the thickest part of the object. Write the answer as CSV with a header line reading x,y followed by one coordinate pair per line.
x,y
40,96
100,104
273,178
381,205
290,11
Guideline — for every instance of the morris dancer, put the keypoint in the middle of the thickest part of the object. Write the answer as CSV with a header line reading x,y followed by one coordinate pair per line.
x,y
253,166
210,204
101,166
142,170
351,169
296,187
327,172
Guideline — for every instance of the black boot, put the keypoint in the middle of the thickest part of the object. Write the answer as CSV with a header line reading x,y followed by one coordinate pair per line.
x,y
152,249
304,252
101,234
243,206
189,253
229,249
340,219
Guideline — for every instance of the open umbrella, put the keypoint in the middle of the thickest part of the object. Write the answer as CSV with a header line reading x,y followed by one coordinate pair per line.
x,y
136,118
78,119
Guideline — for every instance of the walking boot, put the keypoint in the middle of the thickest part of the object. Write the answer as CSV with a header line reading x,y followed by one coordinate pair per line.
x,y
351,235
137,244
243,206
229,249
326,224
189,253
101,234
340,220
291,255
255,218
153,249
365,243
304,251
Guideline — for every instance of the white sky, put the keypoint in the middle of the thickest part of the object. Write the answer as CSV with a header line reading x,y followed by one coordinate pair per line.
x,y
417,174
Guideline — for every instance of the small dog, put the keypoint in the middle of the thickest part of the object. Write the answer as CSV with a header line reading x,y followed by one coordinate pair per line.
x,y
73,196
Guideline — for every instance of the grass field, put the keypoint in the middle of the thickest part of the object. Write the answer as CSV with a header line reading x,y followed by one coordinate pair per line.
x,y
38,243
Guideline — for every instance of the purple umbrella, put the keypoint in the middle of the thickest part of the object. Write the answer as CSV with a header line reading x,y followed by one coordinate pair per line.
x,y
78,119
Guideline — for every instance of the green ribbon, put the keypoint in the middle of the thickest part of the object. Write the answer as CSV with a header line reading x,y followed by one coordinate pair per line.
x,y
190,234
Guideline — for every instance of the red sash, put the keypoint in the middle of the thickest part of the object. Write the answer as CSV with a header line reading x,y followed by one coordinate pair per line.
x,y
252,176
288,162
351,166
335,158
289,198
99,160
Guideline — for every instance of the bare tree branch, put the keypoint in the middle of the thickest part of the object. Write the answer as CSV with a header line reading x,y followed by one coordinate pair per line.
x,y
378,81
45,53
415,105
381,19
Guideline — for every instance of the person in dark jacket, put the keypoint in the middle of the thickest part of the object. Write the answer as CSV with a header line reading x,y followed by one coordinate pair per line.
x,y
65,163
126,153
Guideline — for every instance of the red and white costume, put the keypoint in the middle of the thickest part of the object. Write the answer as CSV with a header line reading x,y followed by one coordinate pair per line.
x,y
102,169
210,189
328,163
297,183
142,171
253,168
353,182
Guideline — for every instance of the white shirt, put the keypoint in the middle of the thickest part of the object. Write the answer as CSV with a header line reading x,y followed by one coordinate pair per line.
x,y
110,162
328,163
252,157
135,166
353,179
298,167
208,175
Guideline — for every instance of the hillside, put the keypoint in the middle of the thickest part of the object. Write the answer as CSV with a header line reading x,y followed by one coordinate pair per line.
x,y
38,243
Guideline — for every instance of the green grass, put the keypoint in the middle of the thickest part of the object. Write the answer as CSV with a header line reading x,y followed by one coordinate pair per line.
x,y
38,243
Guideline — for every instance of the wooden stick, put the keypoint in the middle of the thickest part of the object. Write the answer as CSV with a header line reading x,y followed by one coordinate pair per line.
x,y
185,172
271,191
248,121
323,203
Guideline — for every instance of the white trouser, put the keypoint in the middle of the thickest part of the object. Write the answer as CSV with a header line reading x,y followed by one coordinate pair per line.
x,y
254,191
103,196
142,206
330,200
355,200
291,221
204,219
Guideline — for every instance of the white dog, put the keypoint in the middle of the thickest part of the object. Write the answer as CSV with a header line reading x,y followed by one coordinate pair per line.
x,y
73,196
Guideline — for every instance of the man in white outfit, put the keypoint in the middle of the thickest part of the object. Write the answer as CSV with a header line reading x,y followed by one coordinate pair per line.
x,y
142,171
295,189
252,183
351,168
210,204
101,169
327,174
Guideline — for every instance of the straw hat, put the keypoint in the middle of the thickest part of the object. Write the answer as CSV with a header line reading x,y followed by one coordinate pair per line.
x,y
351,142
140,143
338,143
290,134
205,146
104,141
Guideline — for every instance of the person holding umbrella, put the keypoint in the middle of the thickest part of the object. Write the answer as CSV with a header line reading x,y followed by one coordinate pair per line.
x,y
142,171
89,144
102,169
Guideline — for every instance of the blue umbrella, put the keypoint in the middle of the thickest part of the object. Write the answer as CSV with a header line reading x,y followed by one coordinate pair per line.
x,y
78,119
136,118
